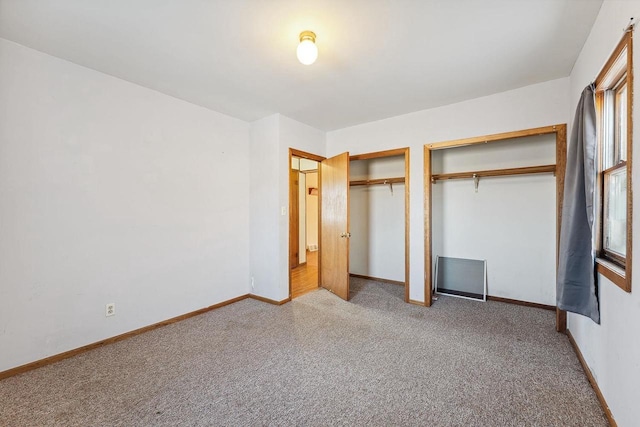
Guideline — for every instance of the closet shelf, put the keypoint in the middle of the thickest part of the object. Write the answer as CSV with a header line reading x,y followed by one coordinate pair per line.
x,y
494,172
381,181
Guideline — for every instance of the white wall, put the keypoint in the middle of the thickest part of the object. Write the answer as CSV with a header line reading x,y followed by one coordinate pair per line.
x,y
307,165
532,106
510,221
296,163
376,246
271,139
302,217
312,211
612,349
302,137
265,207
110,192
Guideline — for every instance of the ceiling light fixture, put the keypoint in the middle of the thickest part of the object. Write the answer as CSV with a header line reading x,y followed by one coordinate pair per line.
x,y
307,50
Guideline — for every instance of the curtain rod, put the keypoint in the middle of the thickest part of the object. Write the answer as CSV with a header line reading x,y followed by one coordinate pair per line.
x,y
630,25
628,29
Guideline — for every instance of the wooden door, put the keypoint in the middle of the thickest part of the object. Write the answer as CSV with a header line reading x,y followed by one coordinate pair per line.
x,y
334,217
294,220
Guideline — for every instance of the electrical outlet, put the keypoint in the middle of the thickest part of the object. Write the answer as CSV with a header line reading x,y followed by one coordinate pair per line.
x,y
252,283
110,309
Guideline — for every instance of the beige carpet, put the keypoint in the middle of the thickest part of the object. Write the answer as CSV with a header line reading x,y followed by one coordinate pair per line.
x,y
320,361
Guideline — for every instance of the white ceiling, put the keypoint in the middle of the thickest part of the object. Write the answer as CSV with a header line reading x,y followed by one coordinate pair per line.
x,y
377,58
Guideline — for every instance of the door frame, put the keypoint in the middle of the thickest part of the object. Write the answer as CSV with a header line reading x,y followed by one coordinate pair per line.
x,y
309,156
294,211
392,153
560,132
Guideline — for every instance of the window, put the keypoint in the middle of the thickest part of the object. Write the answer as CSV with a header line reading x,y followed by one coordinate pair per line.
x,y
613,105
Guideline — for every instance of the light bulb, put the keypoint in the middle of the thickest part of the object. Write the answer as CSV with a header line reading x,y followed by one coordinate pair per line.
x,y
307,50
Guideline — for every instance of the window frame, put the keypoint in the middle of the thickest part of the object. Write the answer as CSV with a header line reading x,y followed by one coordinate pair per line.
x,y
617,72
606,253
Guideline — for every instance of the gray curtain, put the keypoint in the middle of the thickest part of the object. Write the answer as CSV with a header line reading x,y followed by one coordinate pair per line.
x,y
577,280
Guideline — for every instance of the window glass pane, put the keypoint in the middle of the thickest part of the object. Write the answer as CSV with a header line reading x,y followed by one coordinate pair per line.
x,y
608,130
615,212
621,123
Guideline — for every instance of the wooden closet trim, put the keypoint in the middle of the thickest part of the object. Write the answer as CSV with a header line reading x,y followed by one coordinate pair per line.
x,y
297,153
407,233
375,155
407,211
495,137
561,165
560,131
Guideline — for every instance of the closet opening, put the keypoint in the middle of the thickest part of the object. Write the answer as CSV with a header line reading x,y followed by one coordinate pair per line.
x,y
498,198
379,218
304,222
324,252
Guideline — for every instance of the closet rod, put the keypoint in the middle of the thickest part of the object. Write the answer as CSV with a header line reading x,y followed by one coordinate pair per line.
x,y
495,172
383,181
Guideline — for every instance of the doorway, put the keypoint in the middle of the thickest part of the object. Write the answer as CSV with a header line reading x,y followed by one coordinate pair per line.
x,y
558,133
328,267
379,211
304,223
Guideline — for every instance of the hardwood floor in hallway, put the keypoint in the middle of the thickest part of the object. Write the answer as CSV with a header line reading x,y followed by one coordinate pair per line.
x,y
304,278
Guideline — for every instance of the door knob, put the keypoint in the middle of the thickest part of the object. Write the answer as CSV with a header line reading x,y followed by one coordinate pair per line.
x,y
347,234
